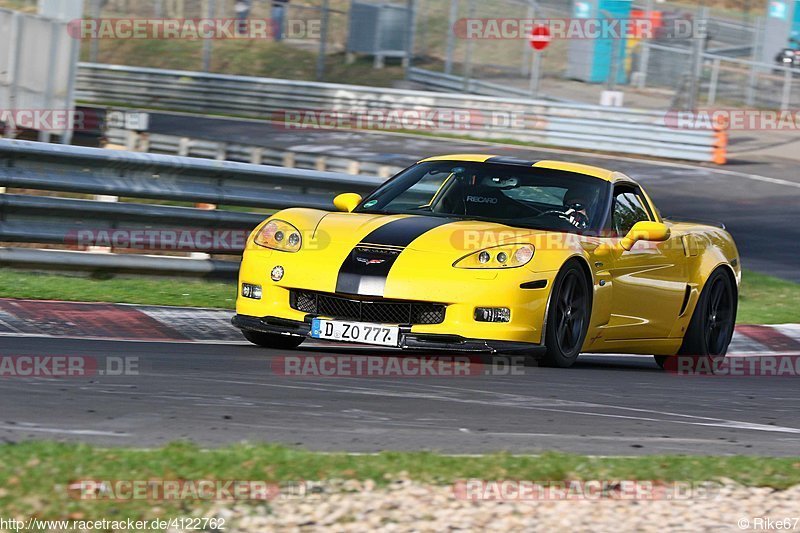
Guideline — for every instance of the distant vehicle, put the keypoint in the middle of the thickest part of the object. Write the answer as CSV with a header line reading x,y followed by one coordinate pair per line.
x,y
788,57
493,254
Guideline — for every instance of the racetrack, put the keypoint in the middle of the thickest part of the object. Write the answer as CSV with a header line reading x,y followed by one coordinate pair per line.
x,y
215,394
757,200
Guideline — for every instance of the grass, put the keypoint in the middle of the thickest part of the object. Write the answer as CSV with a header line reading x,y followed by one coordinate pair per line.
x,y
247,58
763,300
768,300
35,476
148,291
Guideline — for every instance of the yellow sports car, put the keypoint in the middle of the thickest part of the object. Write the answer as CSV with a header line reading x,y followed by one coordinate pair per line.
x,y
493,254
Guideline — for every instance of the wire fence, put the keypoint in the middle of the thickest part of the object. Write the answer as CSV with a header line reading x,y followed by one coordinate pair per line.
x,y
666,71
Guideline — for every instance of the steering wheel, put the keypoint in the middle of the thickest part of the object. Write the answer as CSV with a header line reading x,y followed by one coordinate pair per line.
x,y
574,217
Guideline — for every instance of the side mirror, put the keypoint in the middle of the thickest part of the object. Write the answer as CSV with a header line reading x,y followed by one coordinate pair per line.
x,y
645,231
347,201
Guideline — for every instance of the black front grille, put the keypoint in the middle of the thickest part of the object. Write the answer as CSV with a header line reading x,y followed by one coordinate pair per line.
x,y
380,311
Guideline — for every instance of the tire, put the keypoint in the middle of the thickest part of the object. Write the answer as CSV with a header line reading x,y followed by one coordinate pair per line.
x,y
272,340
568,317
711,327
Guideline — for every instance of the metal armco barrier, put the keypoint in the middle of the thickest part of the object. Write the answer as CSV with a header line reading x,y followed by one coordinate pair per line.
x,y
616,130
135,176
172,144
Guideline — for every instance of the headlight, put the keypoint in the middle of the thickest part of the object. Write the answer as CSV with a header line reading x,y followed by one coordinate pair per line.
x,y
279,235
507,256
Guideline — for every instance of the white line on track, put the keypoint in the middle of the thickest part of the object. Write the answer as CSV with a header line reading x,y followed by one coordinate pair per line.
x,y
86,432
532,403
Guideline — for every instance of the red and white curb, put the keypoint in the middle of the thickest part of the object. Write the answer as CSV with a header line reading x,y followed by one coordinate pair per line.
x,y
24,318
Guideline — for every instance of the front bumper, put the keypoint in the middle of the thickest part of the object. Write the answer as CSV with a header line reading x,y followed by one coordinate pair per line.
x,y
408,340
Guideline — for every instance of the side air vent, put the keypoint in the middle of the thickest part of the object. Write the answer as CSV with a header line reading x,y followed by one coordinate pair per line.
x,y
686,295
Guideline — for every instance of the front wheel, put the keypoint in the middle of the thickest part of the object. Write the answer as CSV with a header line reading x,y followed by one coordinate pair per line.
x,y
567,318
272,340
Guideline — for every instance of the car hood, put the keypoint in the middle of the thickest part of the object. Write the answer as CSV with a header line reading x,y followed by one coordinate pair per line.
x,y
417,232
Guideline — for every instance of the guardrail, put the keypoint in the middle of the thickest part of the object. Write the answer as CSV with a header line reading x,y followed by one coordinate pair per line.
x,y
259,155
144,227
616,130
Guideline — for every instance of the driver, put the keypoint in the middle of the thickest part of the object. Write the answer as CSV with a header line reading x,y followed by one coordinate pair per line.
x,y
576,207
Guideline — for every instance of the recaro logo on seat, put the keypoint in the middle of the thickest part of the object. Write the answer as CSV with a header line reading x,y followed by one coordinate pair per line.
x,y
481,200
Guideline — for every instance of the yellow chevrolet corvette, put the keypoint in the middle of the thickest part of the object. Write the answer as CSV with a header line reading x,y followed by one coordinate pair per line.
x,y
493,254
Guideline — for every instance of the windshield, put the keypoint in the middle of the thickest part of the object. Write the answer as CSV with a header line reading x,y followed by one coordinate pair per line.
x,y
508,194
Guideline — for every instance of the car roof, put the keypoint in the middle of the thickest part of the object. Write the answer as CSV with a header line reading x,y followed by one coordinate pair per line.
x,y
578,168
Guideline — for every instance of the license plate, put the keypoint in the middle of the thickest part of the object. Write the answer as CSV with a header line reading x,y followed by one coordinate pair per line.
x,y
355,332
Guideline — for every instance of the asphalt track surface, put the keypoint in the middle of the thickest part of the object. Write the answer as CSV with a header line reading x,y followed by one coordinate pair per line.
x,y
757,199
216,394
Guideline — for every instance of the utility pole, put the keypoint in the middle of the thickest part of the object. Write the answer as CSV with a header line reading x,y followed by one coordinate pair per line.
x,y
323,42
210,10
644,58
470,46
451,37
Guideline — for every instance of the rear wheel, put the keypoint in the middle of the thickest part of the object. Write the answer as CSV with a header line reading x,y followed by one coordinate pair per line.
x,y
567,318
711,328
272,340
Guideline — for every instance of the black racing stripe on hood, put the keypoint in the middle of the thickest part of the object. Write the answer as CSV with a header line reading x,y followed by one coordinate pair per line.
x,y
401,232
366,267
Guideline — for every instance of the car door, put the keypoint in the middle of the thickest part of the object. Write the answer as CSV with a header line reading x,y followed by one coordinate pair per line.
x,y
649,281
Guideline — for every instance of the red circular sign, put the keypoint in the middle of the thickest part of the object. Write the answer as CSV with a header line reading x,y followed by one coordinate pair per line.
x,y
540,37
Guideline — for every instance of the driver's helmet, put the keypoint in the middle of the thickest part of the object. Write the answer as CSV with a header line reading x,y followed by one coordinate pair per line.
x,y
577,198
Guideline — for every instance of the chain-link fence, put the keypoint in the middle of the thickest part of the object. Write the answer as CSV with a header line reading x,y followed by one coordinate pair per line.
x,y
670,66
712,67
313,27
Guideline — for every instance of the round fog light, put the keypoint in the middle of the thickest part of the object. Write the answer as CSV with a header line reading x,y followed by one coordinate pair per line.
x,y
277,273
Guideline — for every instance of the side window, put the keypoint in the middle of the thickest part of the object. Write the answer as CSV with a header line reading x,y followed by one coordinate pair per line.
x,y
629,208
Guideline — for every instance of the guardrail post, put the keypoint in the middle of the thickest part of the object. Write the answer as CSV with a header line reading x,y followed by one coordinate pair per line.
x,y
288,160
131,141
256,155
102,198
786,95
320,163
183,146
712,84
222,151
354,167
384,171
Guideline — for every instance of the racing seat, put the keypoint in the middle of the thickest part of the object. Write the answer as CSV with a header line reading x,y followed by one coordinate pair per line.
x,y
482,201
